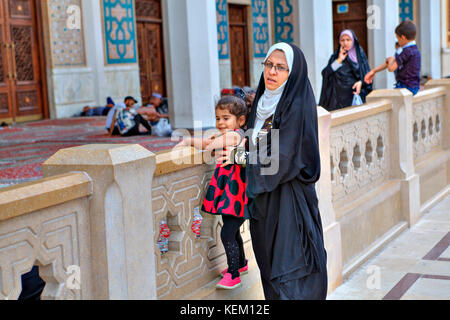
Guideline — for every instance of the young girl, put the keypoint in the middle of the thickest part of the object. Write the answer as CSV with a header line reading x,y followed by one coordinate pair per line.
x,y
226,193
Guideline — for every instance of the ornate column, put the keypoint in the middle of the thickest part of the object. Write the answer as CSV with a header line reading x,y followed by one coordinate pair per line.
x,y
430,40
316,38
384,18
192,62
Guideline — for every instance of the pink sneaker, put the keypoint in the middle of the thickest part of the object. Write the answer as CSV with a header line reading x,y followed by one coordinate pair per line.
x,y
243,270
228,283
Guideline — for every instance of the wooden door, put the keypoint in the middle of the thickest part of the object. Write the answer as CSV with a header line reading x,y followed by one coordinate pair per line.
x,y
151,48
240,71
351,15
20,71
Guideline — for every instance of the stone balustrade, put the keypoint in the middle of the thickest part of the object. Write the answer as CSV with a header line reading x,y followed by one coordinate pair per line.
x,y
100,206
46,224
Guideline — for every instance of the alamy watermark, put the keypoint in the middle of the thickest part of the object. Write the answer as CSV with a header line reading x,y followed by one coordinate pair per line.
x,y
73,281
265,154
373,281
74,17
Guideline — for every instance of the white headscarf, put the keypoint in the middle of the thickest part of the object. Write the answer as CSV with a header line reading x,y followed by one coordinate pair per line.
x,y
268,102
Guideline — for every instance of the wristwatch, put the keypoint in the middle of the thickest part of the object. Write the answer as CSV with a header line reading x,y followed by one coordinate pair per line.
x,y
240,156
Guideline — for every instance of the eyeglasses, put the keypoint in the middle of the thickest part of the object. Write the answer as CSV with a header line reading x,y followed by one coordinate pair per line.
x,y
278,68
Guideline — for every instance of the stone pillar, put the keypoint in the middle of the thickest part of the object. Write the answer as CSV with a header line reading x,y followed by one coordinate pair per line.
x,y
192,61
331,228
383,16
430,39
94,47
121,220
402,150
316,38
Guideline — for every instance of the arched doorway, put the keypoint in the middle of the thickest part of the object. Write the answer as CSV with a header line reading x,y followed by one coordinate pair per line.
x,y
21,61
151,48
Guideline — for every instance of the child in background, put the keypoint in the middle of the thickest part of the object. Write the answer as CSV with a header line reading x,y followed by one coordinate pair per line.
x,y
406,62
226,194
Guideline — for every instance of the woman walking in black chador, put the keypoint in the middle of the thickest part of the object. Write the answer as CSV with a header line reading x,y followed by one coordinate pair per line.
x,y
285,223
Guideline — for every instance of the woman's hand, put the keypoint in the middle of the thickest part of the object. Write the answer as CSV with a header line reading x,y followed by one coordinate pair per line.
x,y
224,156
342,55
357,87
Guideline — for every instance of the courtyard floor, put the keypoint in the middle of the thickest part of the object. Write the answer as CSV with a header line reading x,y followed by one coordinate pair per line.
x,y
414,266
24,147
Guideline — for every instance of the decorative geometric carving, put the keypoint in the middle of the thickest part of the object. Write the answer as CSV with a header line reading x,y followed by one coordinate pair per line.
x,y
284,21
332,168
119,31
415,132
380,148
356,158
149,8
430,126
343,163
423,129
431,136
22,36
50,240
363,172
190,263
260,20
369,152
222,29
67,46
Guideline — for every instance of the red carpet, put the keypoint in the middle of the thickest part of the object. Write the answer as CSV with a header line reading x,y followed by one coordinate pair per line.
x,y
24,147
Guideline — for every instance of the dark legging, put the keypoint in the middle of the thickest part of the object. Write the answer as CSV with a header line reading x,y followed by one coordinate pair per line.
x,y
135,130
233,244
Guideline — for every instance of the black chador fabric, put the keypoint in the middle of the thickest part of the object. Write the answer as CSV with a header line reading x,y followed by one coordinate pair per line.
x,y
337,92
285,222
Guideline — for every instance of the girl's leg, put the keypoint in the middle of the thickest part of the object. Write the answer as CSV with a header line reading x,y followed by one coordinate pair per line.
x,y
240,242
230,226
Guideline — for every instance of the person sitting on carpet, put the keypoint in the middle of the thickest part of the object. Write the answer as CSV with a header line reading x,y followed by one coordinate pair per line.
x,y
160,123
111,125
128,119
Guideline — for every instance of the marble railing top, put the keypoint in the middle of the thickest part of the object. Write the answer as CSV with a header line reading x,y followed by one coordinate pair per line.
x,y
429,94
350,114
178,159
29,197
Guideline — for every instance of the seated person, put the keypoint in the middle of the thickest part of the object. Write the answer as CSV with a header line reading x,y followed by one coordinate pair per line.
x,y
160,122
98,111
127,120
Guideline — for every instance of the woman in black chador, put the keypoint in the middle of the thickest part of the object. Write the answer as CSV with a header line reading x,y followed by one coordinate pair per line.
x,y
285,224
344,74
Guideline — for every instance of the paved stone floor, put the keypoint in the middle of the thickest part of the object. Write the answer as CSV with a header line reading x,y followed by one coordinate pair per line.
x,y
414,266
